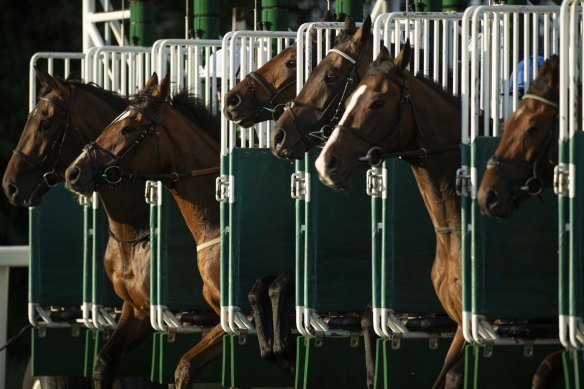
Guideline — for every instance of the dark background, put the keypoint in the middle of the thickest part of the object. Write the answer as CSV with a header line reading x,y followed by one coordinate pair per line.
x,y
27,27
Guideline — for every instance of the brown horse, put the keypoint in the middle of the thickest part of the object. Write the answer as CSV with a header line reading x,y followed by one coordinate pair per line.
x,y
262,93
524,159
67,116
387,111
167,142
318,106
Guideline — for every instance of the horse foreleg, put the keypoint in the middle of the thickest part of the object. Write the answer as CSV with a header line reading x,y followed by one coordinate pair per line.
x,y
261,311
207,350
452,379
370,343
284,347
129,332
549,372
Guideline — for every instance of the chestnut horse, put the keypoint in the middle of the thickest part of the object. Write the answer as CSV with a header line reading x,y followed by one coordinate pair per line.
x,y
387,110
262,93
68,115
178,144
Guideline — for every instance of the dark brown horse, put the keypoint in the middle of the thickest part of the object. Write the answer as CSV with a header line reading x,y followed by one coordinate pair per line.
x,y
262,94
318,106
411,118
524,159
67,116
154,138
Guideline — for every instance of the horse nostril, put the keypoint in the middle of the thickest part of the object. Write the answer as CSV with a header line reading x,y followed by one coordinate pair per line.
x,y
491,199
73,174
233,100
12,190
279,137
332,163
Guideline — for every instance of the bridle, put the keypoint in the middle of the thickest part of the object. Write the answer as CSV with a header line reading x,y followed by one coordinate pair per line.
x,y
272,92
330,114
534,184
50,177
112,174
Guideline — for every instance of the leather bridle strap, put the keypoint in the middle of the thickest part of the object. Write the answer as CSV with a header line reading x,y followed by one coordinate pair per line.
x,y
173,177
540,98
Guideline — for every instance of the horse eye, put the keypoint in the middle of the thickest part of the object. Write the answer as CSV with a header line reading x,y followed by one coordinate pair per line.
x,y
128,129
377,104
44,125
291,64
330,77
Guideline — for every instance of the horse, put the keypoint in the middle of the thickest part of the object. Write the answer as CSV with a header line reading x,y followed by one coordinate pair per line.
x,y
184,137
67,116
306,119
259,96
387,112
524,160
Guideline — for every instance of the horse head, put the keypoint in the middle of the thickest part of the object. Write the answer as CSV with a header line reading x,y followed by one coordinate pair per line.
x,y
309,118
525,157
56,129
263,93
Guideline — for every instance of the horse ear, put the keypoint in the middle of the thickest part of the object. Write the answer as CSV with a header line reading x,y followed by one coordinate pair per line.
x,y
383,55
364,32
553,74
46,79
152,82
349,27
403,58
161,90
327,17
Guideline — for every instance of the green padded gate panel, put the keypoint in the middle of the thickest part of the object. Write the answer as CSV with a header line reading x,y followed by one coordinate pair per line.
x,y
465,220
178,279
56,243
261,221
59,351
324,368
576,269
412,365
515,266
338,245
564,242
409,245
506,368
103,290
377,239
244,367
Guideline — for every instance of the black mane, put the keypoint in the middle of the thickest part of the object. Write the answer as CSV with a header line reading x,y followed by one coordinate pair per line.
x,y
113,99
195,110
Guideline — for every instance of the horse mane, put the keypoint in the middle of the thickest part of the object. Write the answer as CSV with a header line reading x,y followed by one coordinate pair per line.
x,y
195,110
112,98
454,100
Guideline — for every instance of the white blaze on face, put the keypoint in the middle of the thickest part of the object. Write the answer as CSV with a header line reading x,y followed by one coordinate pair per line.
x,y
320,164
122,116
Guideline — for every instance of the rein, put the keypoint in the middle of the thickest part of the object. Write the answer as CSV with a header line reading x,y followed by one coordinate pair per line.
x,y
51,178
534,184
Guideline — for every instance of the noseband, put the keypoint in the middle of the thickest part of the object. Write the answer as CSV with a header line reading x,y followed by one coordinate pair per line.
x,y
112,174
326,122
534,184
272,92
51,178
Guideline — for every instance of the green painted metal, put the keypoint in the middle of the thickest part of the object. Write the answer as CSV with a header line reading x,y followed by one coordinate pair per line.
x,y
275,15
454,5
517,278
564,243
60,351
206,19
576,235
353,8
142,24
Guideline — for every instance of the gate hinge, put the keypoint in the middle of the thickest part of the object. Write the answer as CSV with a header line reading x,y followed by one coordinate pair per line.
x,y
151,192
300,186
463,181
224,189
562,182
376,180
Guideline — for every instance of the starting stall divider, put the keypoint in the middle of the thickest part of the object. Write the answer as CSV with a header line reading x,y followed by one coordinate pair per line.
x,y
509,287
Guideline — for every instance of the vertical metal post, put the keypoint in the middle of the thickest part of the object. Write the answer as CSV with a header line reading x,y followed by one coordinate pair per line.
x,y
142,22
275,15
206,19
352,8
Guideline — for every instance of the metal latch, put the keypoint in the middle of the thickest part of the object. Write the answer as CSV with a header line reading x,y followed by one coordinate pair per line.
x,y
151,192
85,201
224,189
375,182
562,179
300,186
463,184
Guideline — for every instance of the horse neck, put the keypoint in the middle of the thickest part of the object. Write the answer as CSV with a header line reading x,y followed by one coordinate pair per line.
x,y
437,125
92,114
189,149
127,212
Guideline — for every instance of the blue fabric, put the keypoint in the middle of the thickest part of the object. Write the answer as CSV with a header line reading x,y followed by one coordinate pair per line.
x,y
520,73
